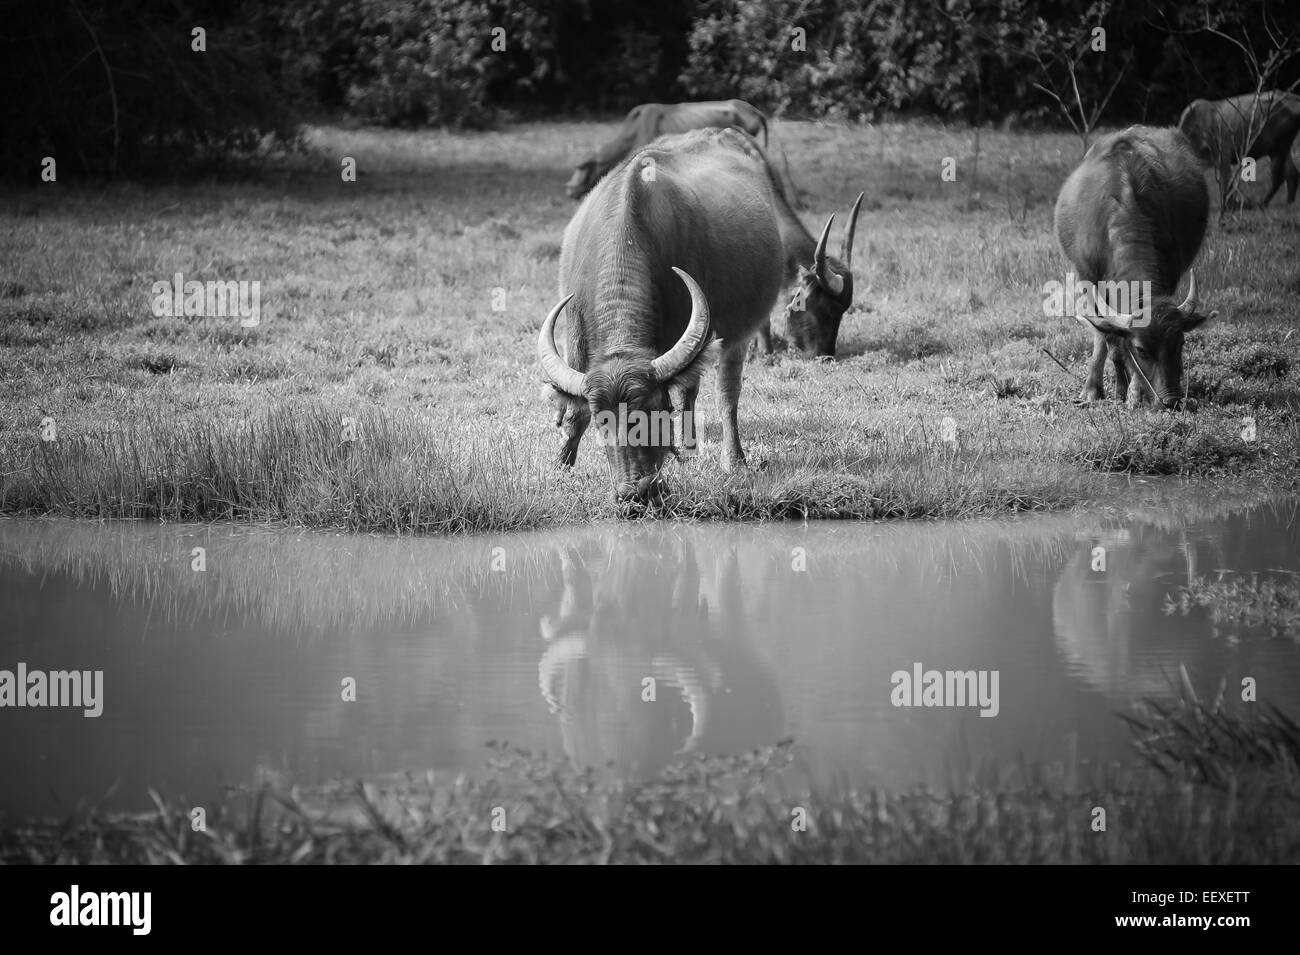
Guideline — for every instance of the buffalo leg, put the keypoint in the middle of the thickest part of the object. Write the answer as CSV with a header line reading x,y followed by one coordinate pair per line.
x,y
574,421
575,601
1094,389
1138,393
1119,361
1278,166
682,401
729,376
1131,386
1292,176
764,337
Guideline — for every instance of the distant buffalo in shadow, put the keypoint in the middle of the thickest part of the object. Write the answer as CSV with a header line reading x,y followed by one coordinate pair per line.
x,y
1254,126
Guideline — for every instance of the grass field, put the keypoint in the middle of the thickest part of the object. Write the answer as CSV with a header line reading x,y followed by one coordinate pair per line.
x,y
410,300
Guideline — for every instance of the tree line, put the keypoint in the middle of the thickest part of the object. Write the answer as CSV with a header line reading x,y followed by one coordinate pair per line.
x,y
125,86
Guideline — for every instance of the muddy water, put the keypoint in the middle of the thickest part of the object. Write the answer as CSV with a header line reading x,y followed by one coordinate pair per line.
x,y
623,643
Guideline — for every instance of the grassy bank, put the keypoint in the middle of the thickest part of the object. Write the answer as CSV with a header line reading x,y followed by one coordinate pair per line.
x,y
409,301
1227,791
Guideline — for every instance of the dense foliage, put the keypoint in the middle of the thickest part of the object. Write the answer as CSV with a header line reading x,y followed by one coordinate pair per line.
x,y
982,59
114,85
411,63
105,86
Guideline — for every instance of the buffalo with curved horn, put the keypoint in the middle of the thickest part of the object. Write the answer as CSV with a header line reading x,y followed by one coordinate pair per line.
x,y
820,285
671,264
1133,216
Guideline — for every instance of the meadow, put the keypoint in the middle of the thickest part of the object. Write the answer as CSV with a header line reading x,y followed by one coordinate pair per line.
x,y
409,301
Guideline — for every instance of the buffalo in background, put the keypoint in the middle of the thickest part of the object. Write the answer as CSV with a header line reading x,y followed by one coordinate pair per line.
x,y
647,122
1254,126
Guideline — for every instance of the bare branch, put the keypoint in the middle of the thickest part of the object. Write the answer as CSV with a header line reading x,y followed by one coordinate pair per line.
x,y
108,72
1101,106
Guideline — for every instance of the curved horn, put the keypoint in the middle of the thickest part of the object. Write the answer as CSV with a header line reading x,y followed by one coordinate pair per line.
x,y
1103,309
677,672
556,368
670,363
697,698
846,255
551,667
826,277
1190,303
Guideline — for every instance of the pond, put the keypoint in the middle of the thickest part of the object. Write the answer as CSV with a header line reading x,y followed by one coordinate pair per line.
x,y
240,654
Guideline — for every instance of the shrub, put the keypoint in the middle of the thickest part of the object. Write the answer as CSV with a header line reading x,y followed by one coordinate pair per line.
x,y
435,62
975,60
861,59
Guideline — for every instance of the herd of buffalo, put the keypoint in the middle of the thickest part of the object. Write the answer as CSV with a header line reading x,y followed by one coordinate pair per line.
x,y
686,236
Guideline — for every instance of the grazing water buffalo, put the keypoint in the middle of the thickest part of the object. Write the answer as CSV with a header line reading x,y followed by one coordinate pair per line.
x,y
638,335
821,285
1253,126
647,122
1134,213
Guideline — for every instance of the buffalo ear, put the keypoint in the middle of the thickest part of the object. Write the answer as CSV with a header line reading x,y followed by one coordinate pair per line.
x,y
1191,321
847,278
566,406
704,359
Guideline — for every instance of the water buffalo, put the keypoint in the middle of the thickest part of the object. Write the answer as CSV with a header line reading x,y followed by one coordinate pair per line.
x,y
647,122
697,205
1135,211
821,286
1254,126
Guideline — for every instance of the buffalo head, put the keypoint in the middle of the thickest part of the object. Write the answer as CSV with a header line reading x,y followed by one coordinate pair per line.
x,y
823,293
584,178
1155,342
627,396
1195,123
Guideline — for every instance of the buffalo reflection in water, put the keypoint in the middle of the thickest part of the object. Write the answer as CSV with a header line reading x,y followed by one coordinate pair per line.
x,y
1112,625
639,617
